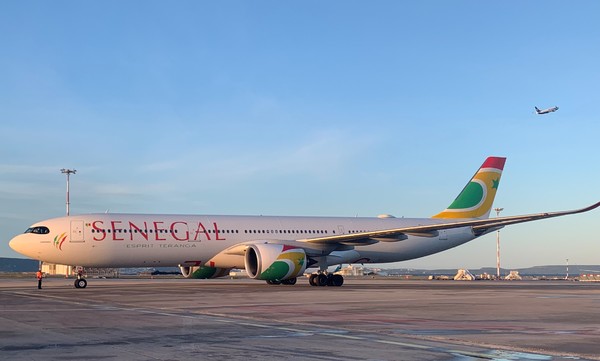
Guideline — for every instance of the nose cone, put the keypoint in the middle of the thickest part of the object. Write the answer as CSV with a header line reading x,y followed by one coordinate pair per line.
x,y
18,244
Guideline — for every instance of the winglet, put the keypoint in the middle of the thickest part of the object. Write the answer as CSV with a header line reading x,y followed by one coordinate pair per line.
x,y
475,200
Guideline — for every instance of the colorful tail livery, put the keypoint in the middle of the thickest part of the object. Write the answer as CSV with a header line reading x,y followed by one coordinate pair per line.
x,y
475,200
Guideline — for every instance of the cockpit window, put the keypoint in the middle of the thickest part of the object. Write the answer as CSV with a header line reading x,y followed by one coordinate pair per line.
x,y
38,230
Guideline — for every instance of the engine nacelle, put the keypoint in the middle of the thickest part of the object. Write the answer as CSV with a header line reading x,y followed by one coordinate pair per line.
x,y
186,271
203,272
274,262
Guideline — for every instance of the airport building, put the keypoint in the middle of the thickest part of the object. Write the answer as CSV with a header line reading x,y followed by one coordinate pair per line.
x,y
351,271
68,271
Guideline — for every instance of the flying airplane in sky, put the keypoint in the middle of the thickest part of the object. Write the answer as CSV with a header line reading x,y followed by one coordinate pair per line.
x,y
546,111
275,249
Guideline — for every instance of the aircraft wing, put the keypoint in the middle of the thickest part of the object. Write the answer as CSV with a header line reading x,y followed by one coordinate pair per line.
x,y
479,226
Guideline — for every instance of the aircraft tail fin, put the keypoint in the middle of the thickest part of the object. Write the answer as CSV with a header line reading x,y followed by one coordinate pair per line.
x,y
537,110
476,198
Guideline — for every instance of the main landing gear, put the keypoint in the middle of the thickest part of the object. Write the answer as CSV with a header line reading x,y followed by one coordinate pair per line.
x,y
316,279
326,279
289,281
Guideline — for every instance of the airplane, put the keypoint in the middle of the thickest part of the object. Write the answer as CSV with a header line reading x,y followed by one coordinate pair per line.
x,y
546,111
275,249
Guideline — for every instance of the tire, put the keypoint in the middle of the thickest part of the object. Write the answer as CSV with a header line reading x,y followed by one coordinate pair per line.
x,y
289,281
321,280
336,281
80,283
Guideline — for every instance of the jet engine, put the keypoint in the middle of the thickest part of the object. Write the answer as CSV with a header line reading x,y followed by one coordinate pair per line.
x,y
203,272
274,262
186,271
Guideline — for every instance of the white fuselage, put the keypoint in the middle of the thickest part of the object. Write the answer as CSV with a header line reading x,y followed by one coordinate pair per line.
x,y
546,111
133,240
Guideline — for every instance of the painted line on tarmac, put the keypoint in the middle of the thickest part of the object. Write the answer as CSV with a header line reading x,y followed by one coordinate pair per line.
x,y
405,344
342,336
223,318
330,332
474,354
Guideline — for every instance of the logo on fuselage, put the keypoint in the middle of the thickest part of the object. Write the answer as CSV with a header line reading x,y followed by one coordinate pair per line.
x,y
59,240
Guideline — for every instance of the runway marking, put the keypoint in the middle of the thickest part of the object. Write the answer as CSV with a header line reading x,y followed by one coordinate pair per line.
x,y
413,345
342,336
251,324
290,329
474,354
312,329
319,330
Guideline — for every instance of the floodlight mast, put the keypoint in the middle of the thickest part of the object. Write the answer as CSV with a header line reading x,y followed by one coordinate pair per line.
x,y
68,172
498,210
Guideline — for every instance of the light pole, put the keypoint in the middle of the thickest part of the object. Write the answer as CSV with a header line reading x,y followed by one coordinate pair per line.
x,y
498,210
68,172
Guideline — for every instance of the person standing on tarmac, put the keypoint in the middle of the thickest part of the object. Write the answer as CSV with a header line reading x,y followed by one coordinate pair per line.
x,y
39,276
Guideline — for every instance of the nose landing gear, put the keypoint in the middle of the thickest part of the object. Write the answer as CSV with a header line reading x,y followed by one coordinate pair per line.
x,y
80,281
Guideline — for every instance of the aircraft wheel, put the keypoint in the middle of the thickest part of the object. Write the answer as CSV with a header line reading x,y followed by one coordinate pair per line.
x,y
312,278
335,281
80,283
321,280
289,281
273,282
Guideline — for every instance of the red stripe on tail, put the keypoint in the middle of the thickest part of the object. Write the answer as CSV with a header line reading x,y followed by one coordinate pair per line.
x,y
494,162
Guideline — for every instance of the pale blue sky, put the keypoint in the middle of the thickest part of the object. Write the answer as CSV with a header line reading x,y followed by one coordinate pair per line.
x,y
309,108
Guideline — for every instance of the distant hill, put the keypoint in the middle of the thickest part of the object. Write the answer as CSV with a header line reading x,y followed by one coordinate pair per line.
x,y
551,270
30,265
18,265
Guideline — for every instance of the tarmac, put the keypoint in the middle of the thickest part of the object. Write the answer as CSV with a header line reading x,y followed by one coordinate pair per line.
x,y
365,319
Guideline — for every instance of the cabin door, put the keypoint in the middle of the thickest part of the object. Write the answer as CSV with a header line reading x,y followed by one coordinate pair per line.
x,y
77,231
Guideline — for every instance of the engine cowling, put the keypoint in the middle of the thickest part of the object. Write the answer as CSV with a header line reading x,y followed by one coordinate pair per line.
x,y
274,262
186,271
203,272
